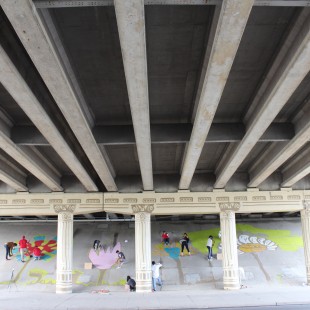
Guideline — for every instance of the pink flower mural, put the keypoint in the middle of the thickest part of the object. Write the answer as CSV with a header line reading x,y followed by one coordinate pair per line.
x,y
105,259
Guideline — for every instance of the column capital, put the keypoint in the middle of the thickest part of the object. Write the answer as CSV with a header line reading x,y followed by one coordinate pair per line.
x,y
306,204
305,212
229,206
137,208
227,214
66,210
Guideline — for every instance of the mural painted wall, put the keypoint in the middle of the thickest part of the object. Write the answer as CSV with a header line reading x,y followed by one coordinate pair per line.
x,y
252,240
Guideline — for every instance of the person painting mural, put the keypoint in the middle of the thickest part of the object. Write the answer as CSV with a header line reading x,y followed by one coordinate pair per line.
x,y
210,244
184,244
9,246
22,248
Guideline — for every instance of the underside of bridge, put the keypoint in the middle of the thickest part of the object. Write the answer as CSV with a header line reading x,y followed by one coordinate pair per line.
x,y
159,96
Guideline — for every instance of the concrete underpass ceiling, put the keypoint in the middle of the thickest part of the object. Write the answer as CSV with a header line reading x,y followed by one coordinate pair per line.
x,y
85,132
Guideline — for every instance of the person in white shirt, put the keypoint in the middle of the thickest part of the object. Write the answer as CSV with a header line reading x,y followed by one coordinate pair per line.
x,y
210,244
155,275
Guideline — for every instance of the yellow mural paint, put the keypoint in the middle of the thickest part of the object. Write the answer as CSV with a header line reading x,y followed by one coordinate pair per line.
x,y
283,238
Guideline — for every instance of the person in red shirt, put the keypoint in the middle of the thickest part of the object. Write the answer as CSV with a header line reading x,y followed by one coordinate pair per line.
x,y
23,247
165,238
36,253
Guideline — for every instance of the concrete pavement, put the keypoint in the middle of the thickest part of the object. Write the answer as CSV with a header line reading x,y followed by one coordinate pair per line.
x,y
184,299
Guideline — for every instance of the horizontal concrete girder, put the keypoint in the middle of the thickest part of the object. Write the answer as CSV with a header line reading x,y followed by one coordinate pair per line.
x,y
231,21
290,67
78,3
131,28
163,133
39,46
156,203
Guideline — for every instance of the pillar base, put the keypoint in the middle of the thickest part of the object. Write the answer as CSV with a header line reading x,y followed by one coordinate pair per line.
x,y
143,290
143,286
231,284
63,289
231,288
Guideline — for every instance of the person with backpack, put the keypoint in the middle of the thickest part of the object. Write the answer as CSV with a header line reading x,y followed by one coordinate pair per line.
x,y
121,258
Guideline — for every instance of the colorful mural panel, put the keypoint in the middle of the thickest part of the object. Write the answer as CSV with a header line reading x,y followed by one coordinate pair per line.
x,y
104,259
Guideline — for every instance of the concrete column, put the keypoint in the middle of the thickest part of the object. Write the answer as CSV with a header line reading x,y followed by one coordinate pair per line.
x,y
143,247
305,223
64,248
229,246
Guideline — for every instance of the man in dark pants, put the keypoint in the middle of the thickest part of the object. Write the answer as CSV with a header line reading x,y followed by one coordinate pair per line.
x,y
8,249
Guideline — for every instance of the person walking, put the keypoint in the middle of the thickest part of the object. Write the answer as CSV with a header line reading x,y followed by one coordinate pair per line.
x,y
8,249
184,244
121,259
23,248
155,275
210,243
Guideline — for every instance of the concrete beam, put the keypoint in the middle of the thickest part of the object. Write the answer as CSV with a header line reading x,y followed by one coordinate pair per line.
x,y
38,169
163,203
287,72
230,22
43,204
104,165
207,202
78,3
302,127
297,170
12,178
163,133
24,97
131,27
38,42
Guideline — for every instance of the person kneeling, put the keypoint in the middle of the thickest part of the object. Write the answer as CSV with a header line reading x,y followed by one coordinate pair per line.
x,y
131,283
37,253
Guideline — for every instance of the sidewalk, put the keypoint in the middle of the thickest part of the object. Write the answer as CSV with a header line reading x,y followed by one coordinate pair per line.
x,y
261,296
